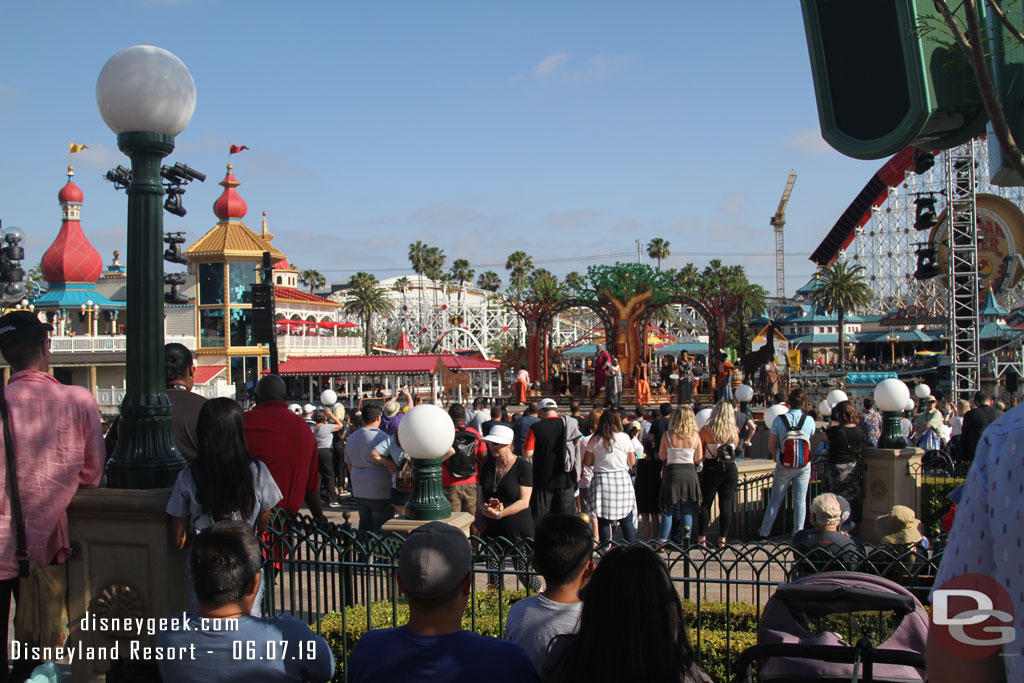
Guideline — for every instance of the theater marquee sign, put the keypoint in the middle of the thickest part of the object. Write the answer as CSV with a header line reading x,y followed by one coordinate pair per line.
x,y
1000,239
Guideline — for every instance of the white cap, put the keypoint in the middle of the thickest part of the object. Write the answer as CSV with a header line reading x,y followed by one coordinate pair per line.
x,y
308,408
295,408
500,434
548,403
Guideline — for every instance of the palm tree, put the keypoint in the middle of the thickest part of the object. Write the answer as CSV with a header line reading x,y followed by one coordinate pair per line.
x,y
366,298
520,264
434,267
657,248
418,259
461,272
573,281
313,279
842,289
361,278
489,280
402,284
541,277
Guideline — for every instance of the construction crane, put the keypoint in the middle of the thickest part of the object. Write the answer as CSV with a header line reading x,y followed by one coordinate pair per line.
x,y
778,221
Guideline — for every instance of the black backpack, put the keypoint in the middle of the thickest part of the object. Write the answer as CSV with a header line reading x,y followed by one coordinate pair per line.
x,y
462,463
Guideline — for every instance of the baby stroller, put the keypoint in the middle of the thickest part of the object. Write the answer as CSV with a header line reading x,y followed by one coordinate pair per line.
x,y
789,651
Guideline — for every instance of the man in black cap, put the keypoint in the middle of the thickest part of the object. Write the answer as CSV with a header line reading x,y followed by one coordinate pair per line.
x,y
58,448
435,571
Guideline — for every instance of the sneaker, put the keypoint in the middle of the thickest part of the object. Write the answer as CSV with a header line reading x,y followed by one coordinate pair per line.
x,y
334,505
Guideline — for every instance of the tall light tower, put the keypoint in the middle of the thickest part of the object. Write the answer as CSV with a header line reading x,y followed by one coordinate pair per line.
x,y
778,221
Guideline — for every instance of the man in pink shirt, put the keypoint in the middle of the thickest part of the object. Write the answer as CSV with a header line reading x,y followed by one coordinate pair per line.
x,y
58,448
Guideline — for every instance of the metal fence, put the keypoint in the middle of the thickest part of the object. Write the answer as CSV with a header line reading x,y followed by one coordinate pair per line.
x,y
314,570
751,501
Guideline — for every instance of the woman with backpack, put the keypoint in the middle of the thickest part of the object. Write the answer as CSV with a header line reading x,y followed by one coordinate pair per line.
x,y
611,454
844,469
719,440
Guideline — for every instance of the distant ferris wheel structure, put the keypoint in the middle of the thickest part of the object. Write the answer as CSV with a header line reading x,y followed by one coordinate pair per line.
x,y
878,231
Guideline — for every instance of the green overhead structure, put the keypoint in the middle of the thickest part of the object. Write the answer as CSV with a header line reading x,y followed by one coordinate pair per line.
x,y
1006,61
881,85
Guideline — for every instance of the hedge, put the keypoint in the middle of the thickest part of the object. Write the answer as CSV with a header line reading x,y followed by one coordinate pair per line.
x,y
935,500
725,630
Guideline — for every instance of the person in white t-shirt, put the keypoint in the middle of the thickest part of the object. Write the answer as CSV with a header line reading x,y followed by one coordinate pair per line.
x,y
610,452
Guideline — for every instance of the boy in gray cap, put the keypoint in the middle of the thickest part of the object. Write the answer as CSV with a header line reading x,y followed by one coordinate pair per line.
x,y
435,571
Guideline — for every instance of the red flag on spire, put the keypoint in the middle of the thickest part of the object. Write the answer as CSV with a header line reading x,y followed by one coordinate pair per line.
x,y
235,149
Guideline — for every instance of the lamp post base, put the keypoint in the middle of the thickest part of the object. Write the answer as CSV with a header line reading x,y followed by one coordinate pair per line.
x,y
403,525
428,501
892,431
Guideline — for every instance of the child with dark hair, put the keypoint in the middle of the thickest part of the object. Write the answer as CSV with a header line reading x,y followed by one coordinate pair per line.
x,y
562,551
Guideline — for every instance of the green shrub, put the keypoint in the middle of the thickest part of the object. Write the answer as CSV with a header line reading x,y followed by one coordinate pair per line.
x,y
935,500
719,648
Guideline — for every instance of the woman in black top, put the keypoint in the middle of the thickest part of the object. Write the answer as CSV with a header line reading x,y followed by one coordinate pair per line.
x,y
844,470
503,499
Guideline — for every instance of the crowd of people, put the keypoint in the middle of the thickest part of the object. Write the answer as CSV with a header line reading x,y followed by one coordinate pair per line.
x,y
565,479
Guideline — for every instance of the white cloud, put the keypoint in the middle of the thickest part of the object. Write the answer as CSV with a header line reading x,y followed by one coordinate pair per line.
x,y
684,225
627,224
573,219
809,142
550,64
599,66
733,204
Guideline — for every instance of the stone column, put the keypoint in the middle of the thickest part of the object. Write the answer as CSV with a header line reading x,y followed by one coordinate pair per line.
x,y
891,478
124,565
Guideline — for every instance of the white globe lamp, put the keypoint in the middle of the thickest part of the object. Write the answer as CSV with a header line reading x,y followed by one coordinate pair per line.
x,y
426,433
824,408
328,397
744,394
702,418
773,412
836,396
145,89
891,396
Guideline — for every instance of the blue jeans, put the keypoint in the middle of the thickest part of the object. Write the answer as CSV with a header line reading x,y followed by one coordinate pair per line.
x,y
682,515
373,513
725,391
801,478
604,528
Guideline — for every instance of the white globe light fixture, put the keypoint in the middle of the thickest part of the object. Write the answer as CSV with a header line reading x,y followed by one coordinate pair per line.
x,y
744,394
824,408
145,89
922,391
328,397
426,433
835,397
909,405
891,396
702,418
773,412
147,97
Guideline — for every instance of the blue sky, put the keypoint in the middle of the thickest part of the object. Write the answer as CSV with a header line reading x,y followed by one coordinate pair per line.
x,y
566,129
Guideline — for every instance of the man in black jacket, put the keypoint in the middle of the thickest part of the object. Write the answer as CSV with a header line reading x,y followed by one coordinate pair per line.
x,y
545,448
975,422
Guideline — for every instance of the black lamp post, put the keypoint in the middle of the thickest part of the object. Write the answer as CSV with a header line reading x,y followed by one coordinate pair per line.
x,y
146,96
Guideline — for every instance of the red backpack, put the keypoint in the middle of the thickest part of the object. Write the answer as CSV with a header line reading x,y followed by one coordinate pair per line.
x,y
796,446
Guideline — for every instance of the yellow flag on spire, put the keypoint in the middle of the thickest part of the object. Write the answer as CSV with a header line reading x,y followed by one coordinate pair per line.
x,y
72,148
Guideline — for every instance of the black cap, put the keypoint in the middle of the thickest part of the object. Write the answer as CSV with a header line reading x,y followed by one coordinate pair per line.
x,y
22,327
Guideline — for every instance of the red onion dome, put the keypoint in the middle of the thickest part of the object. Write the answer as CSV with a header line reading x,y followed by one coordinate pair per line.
x,y
230,204
70,193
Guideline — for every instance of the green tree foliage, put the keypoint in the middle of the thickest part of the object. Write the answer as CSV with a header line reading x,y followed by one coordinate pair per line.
x,y
489,280
841,289
724,291
624,281
573,281
313,279
519,264
366,298
657,249
461,272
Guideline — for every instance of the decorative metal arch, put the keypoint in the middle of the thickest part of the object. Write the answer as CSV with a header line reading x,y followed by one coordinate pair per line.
x,y
545,325
682,300
463,330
